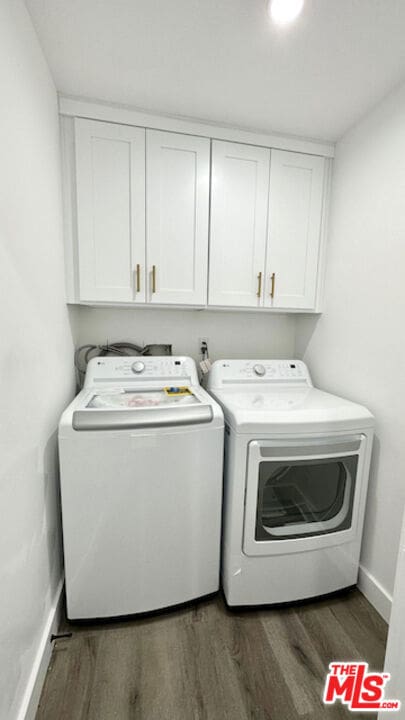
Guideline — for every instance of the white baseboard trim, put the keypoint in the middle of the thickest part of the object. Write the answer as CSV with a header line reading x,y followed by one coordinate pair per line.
x,y
375,593
32,694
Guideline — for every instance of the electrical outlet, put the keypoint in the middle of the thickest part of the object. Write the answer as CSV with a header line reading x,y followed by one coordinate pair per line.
x,y
203,341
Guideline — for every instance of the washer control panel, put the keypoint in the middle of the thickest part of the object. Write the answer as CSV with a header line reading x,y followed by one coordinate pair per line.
x,y
145,369
226,372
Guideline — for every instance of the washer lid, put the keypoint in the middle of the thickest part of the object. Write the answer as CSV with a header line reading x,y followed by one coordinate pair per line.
x,y
289,410
120,408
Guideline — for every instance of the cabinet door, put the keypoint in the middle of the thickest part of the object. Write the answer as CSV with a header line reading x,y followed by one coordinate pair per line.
x,y
110,175
295,215
177,202
239,199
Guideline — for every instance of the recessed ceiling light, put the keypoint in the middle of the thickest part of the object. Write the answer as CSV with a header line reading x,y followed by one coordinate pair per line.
x,y
285,11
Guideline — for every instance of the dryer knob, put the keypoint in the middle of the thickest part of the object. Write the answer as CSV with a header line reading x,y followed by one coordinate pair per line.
x,y
138,367
259,370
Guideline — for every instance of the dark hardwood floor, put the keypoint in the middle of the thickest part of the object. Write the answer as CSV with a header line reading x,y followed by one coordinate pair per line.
x,y
204,662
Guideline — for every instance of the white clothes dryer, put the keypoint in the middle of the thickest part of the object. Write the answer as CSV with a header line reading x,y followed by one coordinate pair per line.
x,y
141,451
296,473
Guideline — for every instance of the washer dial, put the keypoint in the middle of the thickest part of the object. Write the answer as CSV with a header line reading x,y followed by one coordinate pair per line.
x,y
259,370
138,367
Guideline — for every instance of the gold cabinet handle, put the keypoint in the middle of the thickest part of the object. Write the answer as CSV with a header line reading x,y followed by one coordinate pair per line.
x,y
153,278
138,278
273,284
259,285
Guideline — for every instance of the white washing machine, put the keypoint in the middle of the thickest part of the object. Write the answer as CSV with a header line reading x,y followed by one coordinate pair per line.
x,y
141,451
296,474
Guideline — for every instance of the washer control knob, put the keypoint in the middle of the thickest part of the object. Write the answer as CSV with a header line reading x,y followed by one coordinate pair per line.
x,y
259,370
138,367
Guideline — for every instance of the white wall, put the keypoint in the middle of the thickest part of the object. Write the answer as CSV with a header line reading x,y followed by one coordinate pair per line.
x,y
357,347
395,656
230,334
36,378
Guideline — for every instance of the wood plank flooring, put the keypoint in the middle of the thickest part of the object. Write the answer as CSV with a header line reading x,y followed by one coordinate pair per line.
x,y
205,662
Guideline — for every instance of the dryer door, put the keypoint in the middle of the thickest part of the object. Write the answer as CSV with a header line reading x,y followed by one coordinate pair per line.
x,y
300,496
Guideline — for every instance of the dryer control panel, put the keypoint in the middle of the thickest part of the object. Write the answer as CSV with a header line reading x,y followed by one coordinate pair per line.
x,y
237,372
136,369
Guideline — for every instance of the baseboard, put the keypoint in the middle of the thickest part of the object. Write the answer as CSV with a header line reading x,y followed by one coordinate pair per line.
x,y
32,694
375,593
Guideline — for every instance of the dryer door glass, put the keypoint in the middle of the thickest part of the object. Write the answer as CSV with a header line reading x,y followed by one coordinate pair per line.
x,y
305,497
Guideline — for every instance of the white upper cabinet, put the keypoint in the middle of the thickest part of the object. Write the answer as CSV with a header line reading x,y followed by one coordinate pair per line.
x,y
110,177
239,200
177,210
147,232
295,216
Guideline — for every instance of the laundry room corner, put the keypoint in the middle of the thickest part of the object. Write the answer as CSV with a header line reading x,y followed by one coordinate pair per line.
x,y
36,362
355,348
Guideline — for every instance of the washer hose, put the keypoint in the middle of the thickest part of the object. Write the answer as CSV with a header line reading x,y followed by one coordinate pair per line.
x,y
85,352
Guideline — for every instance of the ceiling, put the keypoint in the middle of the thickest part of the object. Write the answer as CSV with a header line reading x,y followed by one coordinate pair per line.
x,y
223,60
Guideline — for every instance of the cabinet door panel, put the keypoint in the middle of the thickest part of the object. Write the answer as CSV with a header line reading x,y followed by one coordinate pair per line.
x,y
177,202
295,214
239,198
110,175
